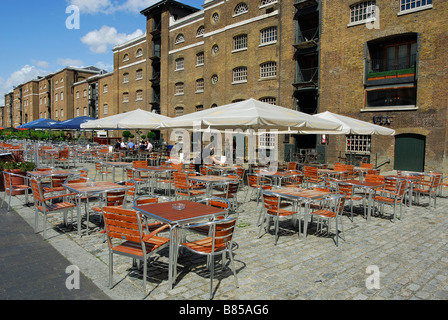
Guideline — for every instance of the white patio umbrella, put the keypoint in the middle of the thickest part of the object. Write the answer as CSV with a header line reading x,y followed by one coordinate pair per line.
x,y
350,126
132,120
251,114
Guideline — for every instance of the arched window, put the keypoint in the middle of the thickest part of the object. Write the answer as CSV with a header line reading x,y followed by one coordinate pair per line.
x,y
125,57
139,53
200,32
240,9
179,111
180,38
266,2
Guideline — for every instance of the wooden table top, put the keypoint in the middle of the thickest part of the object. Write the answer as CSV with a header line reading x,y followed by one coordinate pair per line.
x,y
368,184
299,193
210,178
99,186
49,173
193,211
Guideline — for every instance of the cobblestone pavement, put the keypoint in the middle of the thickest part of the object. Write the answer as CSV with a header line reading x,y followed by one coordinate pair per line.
x,y
411,256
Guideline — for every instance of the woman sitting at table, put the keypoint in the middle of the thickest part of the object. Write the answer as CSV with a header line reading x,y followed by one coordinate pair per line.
x,y
208,157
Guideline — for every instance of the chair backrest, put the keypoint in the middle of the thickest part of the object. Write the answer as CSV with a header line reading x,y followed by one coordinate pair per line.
x,y
177,166
115,198
221,233
122,224
203,170
181,181
292,166
130,173
216,202
310,172
43,169
98,166
140,164
36,187
271,203
374,178
58,181
367,165
345,188
391,184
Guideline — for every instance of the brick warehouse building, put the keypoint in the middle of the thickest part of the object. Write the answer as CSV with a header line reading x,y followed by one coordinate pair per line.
x,y
309,55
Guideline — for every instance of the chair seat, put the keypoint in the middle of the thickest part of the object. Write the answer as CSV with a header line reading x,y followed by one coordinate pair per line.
x,y
19,187
422,191
204,246
56,189
58,206
324,213
192,193
384,199
281,212
134,248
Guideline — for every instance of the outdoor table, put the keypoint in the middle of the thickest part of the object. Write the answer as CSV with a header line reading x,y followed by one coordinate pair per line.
x,y
49,173
154,171
367,186
210,180
277,175
222,169
114,164
164,212
307,196
331,172
88,188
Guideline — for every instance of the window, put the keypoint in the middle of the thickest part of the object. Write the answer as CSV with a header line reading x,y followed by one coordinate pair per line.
x,y
179,111
62,96
85,111
267,2
240,74
139,74
56,97
199,108
105,88
200,59
266,140
268,69
268,35
180,38
215,49
214,105
215,17
56,114
358,143
126,97
240,42
415,5
126,78
139,53
179,64
85,93
362,11
139,95
215,79
77,112
105,109
126,57
200,32
392,97
240,9
179,88
77,94
200,85
270,100
62,113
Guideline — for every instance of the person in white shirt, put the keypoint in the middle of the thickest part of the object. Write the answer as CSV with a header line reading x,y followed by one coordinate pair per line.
x,y
148,146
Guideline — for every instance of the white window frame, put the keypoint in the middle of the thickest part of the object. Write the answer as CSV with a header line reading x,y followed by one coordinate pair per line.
x,y
200,85
105,88
240,8
126,77
239,42
268,36
179,89
139,95
125,97
239,75
179,64
179,38
416,7
359,144
268,70
265,3
139,74
200,58
270,100
362,12
105,109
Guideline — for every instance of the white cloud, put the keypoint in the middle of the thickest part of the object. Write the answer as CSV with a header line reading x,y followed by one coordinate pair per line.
x,y
25,74
70,62
41,64
104,66
93,6
100,41
136,6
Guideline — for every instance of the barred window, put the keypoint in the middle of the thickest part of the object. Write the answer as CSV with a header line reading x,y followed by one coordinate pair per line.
x,y
200,32
179,88
358,143
179,64
105,88
200,59
200,85
139,95
266,2
268,35
240,42
105,109
179,111
415,4
270,100
240,74
268,69
125,97
126,78
266,140
180,38
199,108
139,74
362,11
240,9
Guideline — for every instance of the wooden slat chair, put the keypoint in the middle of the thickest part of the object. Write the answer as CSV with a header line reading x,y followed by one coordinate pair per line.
x,y
101,171
150,225
229,191
294,181
216,202
428,188
391,197
132,174
349,192
56,184
44,206
63,158
218,242
13,187
184,188
311,176
112,198
332,209
257,183
273,209
126,226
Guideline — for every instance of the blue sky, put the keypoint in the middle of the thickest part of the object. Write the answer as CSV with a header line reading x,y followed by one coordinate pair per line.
x,y
35,39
